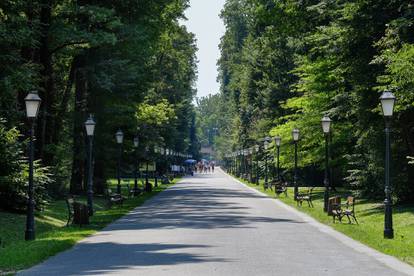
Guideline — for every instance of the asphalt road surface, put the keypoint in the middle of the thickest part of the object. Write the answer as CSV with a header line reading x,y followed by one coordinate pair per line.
x,y
210,224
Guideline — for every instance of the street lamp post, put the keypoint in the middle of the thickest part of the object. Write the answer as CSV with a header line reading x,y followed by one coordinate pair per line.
x,y
148,187
266,146
136,144
90,130
165,150
257,149
278,140
326,127
162,159
387,103
155,169
246,165
234,163
237,156
295,136
32,102
240,163
119,139
251,164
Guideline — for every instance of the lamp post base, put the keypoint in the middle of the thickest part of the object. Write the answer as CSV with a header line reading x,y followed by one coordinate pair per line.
x,y
90,203
388,229
29,235
295,193
325,200
388,233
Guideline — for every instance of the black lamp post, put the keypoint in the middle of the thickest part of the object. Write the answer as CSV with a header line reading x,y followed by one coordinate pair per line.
x,y
167,154
119,140
251,150
278,140
245,167
234,163
136,144
32,102
148,187
387,103
162,159
237,163
257,149
326,127
245,171
90,130
228,162
266,147
155,169
241,163
295,136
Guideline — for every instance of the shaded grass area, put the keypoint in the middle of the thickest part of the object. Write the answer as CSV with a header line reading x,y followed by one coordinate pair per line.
x,y
52,236
370,216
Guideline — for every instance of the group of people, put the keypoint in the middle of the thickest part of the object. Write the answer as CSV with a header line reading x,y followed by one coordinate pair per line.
x,y
204,167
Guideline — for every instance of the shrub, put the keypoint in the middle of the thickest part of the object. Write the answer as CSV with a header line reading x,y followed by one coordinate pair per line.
x,y
14,173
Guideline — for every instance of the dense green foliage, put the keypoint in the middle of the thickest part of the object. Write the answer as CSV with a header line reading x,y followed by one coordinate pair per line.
x,y
286,63
130,63
14,173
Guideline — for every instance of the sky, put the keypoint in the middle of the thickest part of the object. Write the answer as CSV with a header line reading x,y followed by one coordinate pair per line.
x,y
205,23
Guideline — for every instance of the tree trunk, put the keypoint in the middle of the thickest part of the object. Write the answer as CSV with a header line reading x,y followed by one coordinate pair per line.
x,y
62,110
78,151
47,86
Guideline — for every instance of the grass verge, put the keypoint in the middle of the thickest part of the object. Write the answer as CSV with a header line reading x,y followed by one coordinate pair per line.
x,y
370,216
52,236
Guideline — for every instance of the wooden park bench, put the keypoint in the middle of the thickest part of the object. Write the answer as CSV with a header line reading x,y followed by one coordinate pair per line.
x,y
132,192
333,203
280,187
305,197
165,179
114,198
347,209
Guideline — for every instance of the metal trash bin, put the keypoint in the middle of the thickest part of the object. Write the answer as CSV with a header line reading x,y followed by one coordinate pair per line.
x,y
80,214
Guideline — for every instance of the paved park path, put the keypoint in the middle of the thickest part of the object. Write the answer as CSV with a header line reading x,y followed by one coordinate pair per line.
x,y
212,225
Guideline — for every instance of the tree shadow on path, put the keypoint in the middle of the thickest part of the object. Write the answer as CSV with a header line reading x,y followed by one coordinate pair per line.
x,y
91,259
198,206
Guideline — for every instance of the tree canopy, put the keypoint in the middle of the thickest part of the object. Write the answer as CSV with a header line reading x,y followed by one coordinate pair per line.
x,y
287,63
130,63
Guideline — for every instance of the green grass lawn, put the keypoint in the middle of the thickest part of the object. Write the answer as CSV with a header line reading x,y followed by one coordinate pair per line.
x,y
52,236
370,216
